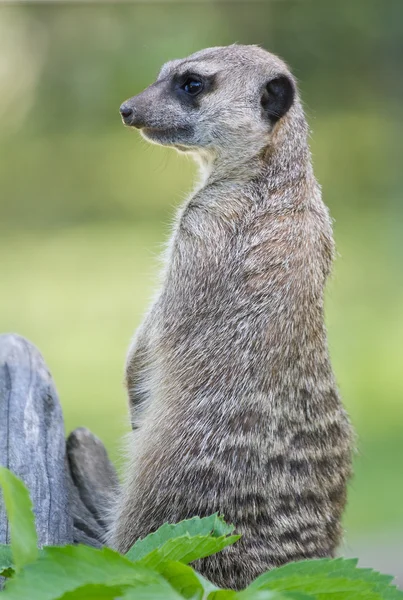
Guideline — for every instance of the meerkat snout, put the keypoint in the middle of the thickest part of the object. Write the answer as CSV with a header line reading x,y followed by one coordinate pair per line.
x,y
126,113
219,100
132,114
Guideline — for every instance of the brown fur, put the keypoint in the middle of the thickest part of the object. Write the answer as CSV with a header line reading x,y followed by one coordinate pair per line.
x,y
234,404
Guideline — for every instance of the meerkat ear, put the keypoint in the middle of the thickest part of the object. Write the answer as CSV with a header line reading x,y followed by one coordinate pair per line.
x,y
277,97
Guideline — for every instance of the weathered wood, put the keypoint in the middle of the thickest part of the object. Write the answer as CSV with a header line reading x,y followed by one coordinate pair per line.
x,y
73,484
32,443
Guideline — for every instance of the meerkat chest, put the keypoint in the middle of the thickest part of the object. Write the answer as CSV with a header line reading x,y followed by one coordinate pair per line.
x,y
205,245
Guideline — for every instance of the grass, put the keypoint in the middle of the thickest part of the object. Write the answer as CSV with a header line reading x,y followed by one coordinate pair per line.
x,y
78,294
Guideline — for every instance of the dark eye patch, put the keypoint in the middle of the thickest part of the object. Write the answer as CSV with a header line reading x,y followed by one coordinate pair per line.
x,y
189,86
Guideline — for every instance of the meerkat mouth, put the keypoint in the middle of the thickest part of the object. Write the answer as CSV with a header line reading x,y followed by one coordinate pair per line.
x,y
172,136
186,129
153,130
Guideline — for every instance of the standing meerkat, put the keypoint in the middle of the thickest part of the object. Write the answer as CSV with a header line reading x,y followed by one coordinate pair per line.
x,y
233,401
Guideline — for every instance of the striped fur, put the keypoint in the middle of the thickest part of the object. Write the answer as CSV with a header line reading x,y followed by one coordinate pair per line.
x,y
233,400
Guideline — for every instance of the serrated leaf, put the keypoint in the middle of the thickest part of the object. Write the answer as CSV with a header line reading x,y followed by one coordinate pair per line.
x,y
329,578
328,588
323,567
60,570
21,518
186,549
308,567
213,525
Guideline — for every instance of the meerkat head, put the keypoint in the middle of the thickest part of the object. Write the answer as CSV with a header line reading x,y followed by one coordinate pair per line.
x,y
219,102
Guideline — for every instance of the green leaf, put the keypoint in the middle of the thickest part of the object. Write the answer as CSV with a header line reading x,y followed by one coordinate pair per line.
x,y
7,572
6,557
95,592
318,587
329,578
184,580
60,570
187,549
250,594
295,596
222,595
21,518
323,567
207,585
213,525
261,595
160,591
151,592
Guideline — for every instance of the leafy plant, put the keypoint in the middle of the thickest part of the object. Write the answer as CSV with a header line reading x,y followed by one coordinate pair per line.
x,y
22,524
157,567
6,561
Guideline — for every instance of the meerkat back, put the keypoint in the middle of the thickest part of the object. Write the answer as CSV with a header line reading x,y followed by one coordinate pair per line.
x,y
233,401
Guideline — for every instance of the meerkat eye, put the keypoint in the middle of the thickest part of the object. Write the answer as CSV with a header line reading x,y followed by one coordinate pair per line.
x,y
192,86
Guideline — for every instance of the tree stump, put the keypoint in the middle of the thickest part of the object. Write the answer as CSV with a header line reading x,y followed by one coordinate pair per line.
x,y
32,441
72,490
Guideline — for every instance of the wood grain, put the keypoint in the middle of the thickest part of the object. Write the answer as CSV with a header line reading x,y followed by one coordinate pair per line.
x,y
32,441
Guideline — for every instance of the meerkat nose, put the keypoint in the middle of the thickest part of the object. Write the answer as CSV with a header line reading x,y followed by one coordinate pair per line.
x,y
126,112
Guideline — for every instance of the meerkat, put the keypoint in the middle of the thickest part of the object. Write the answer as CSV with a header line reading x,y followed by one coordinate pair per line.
x,y
233,401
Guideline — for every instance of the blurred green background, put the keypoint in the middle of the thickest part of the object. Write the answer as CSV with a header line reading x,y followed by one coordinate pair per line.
x,y
85,205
